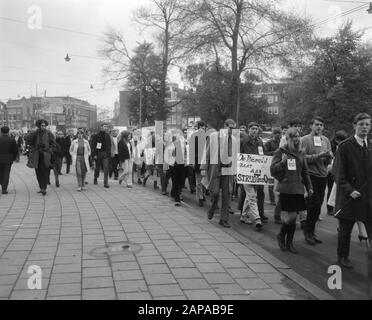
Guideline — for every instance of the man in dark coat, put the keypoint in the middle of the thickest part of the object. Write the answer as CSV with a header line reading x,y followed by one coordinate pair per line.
x,y
353,176
43,144
101,151
8,154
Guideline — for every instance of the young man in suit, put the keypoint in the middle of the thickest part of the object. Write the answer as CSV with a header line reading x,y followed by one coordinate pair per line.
x,y
8,154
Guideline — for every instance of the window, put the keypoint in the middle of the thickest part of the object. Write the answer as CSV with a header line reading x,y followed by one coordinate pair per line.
x,y
270,99
276,110
270,110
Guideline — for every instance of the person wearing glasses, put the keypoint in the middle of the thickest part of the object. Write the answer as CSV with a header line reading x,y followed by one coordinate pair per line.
x,y
42,143
80,152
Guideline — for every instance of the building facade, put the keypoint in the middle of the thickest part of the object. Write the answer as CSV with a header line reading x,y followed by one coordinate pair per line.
x,y
273,92
62,113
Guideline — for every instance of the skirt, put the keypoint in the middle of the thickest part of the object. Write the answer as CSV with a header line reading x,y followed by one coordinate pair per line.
x,y
292,202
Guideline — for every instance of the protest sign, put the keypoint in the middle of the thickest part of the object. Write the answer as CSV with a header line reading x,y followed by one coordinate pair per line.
x,y
254,169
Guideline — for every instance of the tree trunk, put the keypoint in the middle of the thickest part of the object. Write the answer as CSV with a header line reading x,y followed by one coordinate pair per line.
x,y
162,108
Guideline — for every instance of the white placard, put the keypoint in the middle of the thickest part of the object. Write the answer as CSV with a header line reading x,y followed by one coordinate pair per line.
x,y
254,169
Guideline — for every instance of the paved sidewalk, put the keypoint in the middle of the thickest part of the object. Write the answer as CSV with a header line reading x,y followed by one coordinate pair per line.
x,y
183,256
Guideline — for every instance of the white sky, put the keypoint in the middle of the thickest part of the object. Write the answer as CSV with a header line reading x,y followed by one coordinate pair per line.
x,y
30,58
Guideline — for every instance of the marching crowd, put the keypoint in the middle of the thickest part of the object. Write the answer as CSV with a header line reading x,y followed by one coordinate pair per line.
x,y
304,168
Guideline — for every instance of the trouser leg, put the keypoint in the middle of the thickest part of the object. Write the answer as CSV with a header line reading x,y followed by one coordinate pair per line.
x,y
225,186
271,194
5,175
250,203
261,200
199,187
315,203
79,174
345,228
105,162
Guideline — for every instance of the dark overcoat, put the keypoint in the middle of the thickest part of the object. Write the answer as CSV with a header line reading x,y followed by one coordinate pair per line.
x,y
353,171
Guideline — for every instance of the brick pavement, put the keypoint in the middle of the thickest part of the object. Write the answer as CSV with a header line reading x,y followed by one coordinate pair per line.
x,y
183,256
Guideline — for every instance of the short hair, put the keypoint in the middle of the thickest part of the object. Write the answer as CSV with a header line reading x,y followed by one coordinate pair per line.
x,y
277,131
295,121
284,127
229,121
40,122
125,134
340,135
253,124
360,117
317,118
200,124
5,129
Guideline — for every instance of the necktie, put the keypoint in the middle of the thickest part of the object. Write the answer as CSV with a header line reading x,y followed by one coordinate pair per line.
x,y
365,150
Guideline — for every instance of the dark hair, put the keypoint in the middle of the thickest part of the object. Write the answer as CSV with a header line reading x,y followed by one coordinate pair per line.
x,y
340,135
317,118
295,121
360,117
284,127
5,129
277,130
200,124
40,122
253,124
229,121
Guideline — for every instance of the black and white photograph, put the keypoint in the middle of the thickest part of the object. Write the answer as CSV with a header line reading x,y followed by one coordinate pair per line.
x,y
204,151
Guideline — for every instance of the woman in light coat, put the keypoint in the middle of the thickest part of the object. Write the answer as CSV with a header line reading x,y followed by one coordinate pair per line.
x,y
80,152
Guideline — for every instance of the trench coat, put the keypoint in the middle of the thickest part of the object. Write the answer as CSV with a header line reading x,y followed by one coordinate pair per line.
x,y
353,171
214,166
40,142
73,151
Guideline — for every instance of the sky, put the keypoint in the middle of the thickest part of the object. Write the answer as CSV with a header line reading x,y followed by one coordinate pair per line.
x,y
32,55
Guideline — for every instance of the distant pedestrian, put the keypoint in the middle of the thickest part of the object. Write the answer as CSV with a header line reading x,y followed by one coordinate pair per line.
x,y
57,156
290,169
353,177
66,149
271,147
101,150
319,155
125,157
197,144
80,152
8,153
114,160
42,143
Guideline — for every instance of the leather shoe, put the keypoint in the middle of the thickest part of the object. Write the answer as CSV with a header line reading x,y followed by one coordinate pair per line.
x,y
95,181
345,262
106,186
201,203
224,223
309,239
4,192
210,215
316,239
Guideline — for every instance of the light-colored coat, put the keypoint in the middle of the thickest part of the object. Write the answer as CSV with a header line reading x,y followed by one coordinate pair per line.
x,y
212,163
73,151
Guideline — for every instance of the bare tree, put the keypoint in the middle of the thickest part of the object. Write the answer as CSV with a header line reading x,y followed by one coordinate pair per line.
x,y
249,34
170,22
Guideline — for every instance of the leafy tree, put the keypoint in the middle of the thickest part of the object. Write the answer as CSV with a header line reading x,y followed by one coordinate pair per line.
x,y
209,95
338,83
144,83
